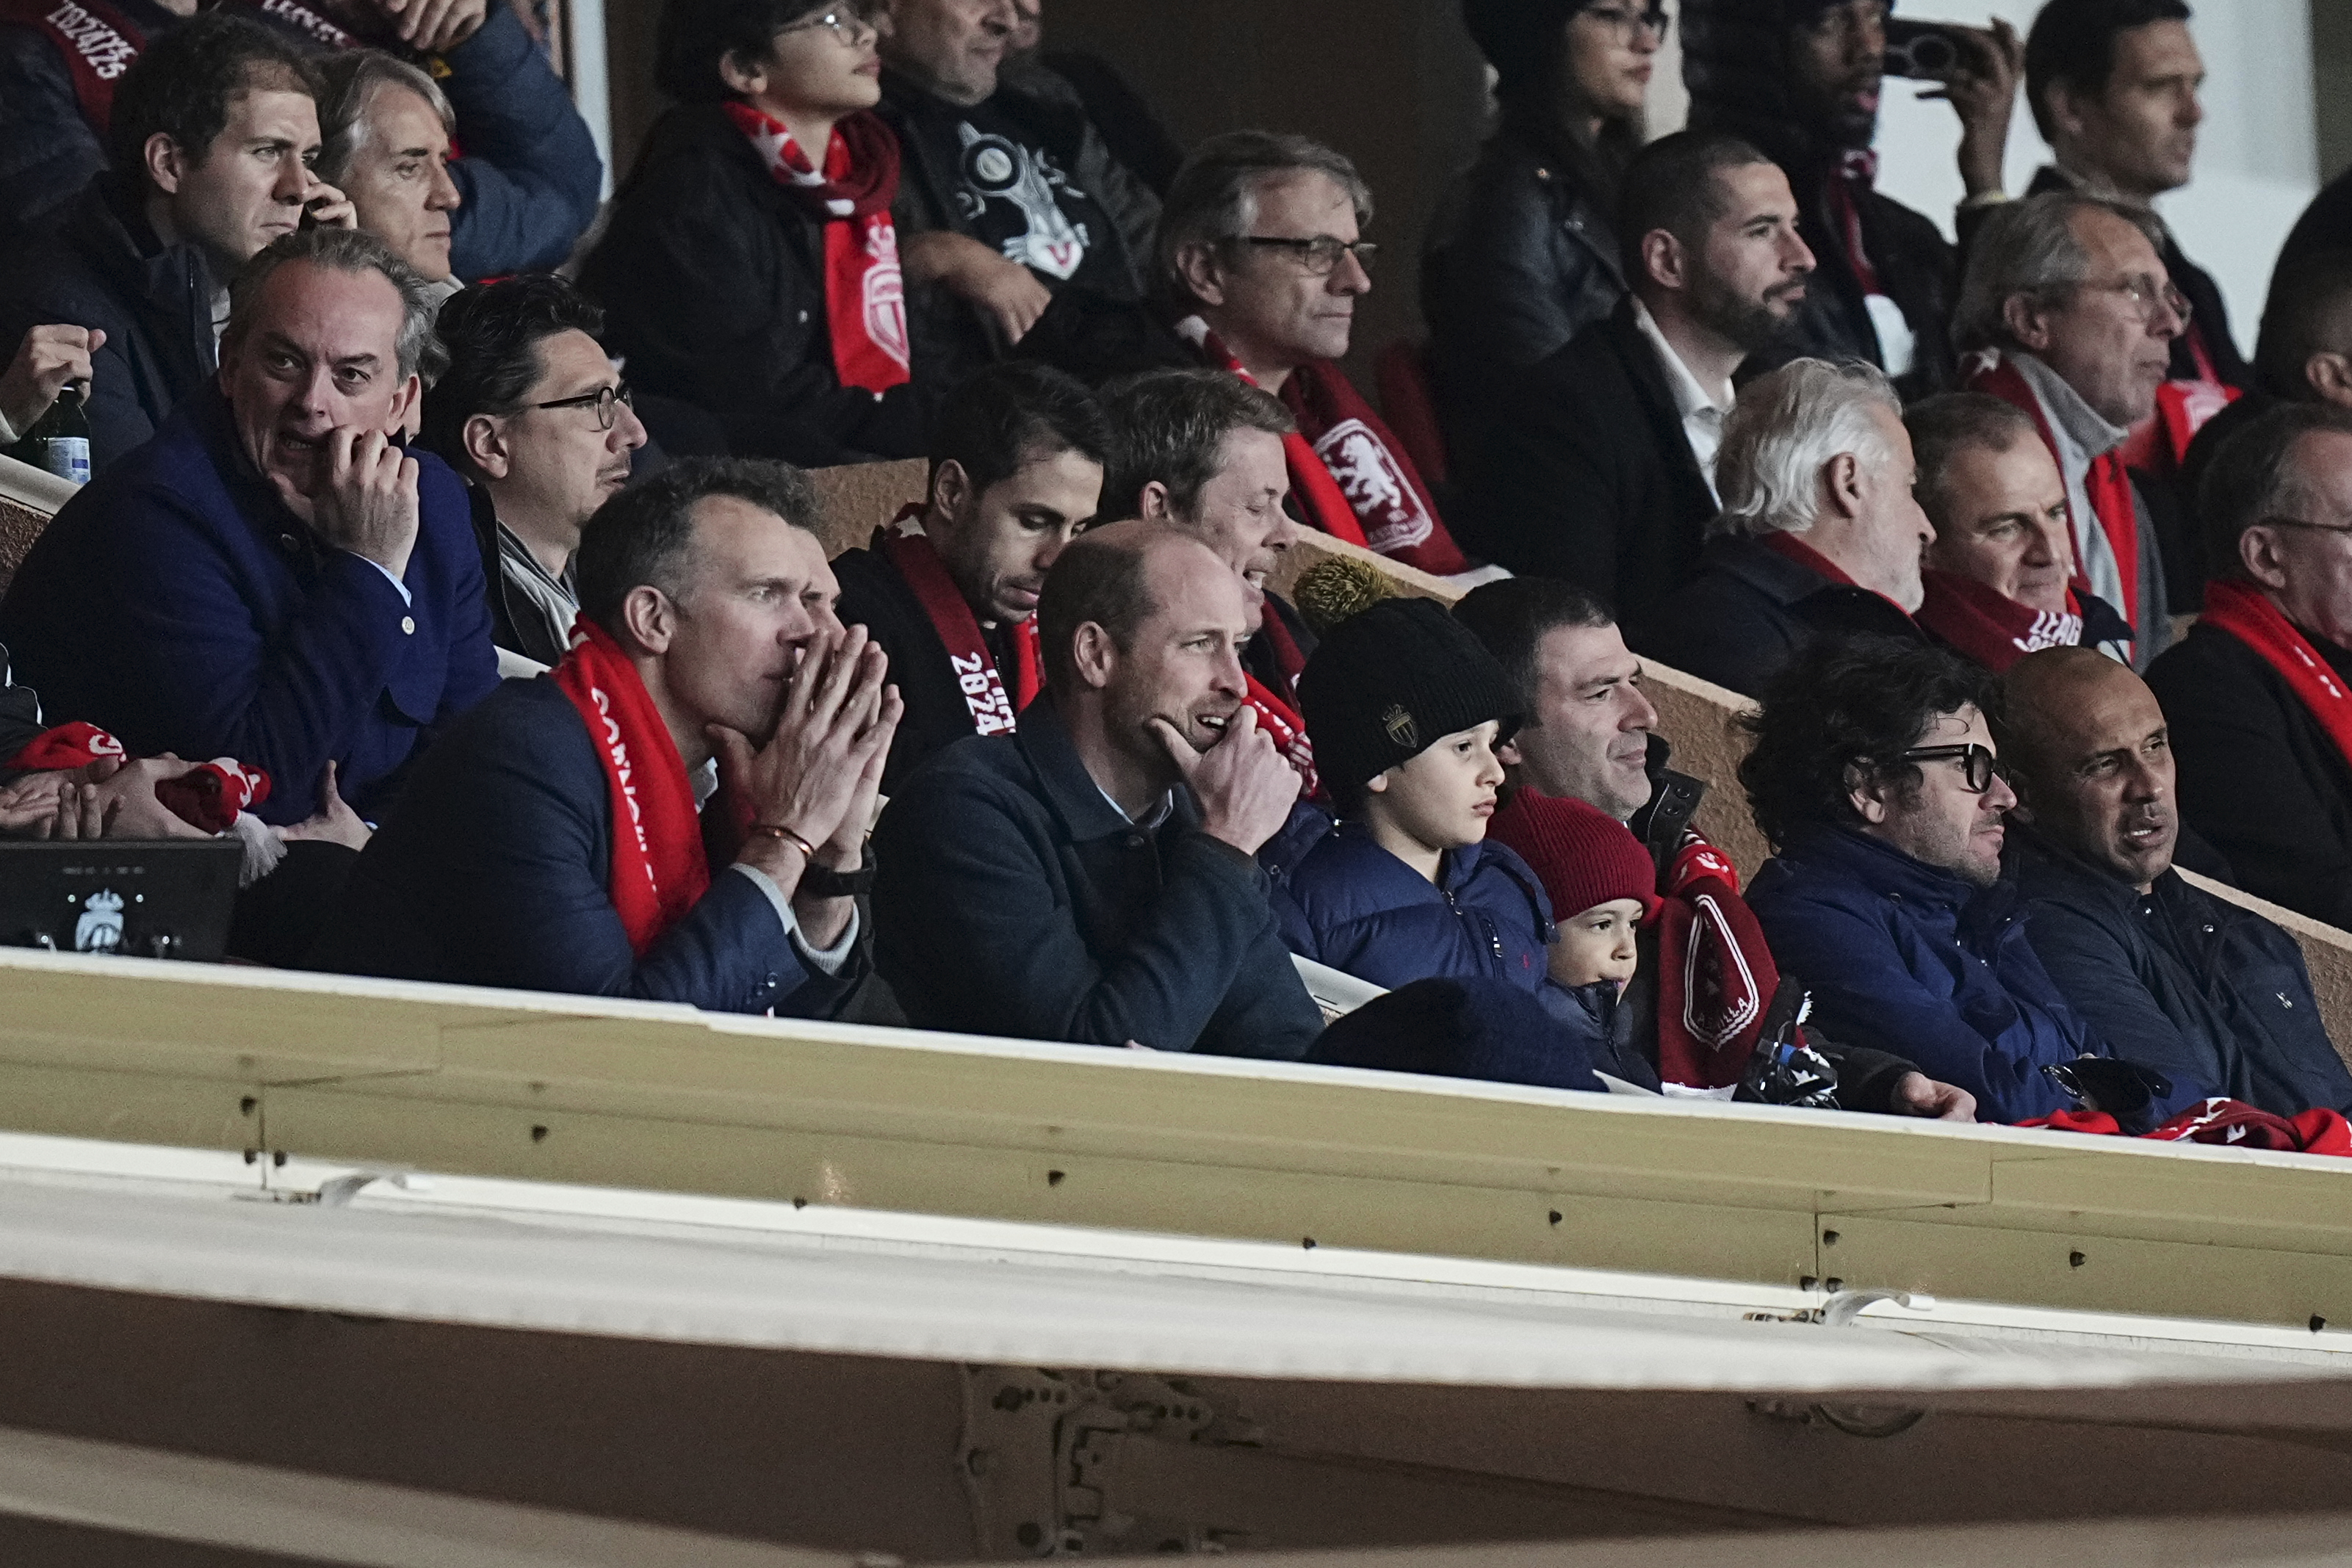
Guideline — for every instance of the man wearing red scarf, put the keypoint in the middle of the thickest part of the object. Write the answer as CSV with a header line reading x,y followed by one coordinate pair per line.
x,y
677,810
2000,577
2259,693
2070,317
1274,304
950,593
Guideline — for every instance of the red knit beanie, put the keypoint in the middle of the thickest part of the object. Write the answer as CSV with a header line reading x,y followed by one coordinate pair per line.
x,y
1584,856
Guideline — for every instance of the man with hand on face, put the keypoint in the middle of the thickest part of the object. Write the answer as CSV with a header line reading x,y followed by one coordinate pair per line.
x,y
1205,451
2066,313
1873,775
1599,466
2184,982
1261,253
1819,537
1017,472
1705,978
678,810
384,129
1093,878
213,137
1999,575
533,414
272,577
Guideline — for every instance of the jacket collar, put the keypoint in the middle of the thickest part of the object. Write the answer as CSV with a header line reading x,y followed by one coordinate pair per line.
x,y
108,222
1771,573
2037,861
1456,869
1887,872
1086,812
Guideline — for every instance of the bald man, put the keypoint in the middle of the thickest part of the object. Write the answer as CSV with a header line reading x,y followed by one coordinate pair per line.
x,y
2202,991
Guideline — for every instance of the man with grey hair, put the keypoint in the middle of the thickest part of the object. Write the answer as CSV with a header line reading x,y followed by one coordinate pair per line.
x,y
2066,311
1819,535
1261,253
384,129
273,578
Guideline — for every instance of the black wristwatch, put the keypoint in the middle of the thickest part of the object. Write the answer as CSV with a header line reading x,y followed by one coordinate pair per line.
x,y
828,884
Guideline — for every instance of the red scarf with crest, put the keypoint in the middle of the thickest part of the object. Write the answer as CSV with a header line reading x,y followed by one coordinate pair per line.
x,y
2246,613
1348,472
865,293
209,796
1989,627
659,870
994,711
1715,973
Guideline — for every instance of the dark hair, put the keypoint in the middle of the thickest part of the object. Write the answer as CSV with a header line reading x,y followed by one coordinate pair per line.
x,y
493,331
1102,577
1014,413
1168,425
1673,185
1945,425
1841,704
642,535
183,83
2253,476
1513,617
2073,41
694,36
1525,42
416,350
2309,311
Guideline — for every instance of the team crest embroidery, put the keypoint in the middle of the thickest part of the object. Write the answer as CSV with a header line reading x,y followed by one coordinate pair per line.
x,y
885,294
1369,476
1718,999
1402,729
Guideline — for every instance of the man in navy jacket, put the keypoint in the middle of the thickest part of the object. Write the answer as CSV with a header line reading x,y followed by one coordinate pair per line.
x,y
2186,983
719,673
1091,877
1873,775
272,577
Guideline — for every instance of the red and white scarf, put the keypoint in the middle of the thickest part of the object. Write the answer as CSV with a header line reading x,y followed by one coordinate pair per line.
x,y
1278,714
2247,613
1989,627
97,42
209,796
994,711
2230,1122
1348,472
1715,973
659,870
2107,485
865,293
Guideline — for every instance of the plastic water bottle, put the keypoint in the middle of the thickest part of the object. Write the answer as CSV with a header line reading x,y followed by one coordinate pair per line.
x,y
60,439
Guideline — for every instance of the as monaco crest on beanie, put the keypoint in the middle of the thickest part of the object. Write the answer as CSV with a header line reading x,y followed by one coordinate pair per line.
x,y
1387,684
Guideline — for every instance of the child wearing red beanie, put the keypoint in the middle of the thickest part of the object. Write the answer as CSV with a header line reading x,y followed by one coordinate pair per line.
x,y
1602,882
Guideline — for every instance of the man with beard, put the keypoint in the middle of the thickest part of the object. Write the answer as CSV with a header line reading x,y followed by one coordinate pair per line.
x,y
2200,988
1801,79
1603,470
1092,878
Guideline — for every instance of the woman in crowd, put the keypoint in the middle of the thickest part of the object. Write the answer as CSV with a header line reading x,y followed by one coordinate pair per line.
x,y
751,266
1524,254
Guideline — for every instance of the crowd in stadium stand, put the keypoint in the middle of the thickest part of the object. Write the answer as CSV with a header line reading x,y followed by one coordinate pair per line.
x,y
465,527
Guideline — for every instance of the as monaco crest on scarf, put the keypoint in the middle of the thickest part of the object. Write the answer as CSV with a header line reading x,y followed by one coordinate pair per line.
x,y
1375,486
885,293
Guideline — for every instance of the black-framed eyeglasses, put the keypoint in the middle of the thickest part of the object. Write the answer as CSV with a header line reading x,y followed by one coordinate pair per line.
x,y
602,399
1977,762
2299,523
849,23
1625,23
1319,255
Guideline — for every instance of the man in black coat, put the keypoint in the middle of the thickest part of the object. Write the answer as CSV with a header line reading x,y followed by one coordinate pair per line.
x,y
213,133
1820,534
1093,878
1802,79
2195,986
1016,471
2256,691
711,670
1597,467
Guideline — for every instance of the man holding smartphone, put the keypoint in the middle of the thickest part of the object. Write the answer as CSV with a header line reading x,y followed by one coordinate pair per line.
x,y
1802,79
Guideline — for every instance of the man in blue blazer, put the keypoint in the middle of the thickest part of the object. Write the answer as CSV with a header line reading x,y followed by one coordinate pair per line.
x,y
273,578
551,843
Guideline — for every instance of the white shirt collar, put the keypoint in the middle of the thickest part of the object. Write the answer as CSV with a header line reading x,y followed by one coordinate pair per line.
x,y
1689,394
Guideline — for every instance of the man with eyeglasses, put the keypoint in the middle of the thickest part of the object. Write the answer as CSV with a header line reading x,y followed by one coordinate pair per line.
x,y
1261,252
1803,79
2067,313
532,413
2201,988
1874,774
2259,693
